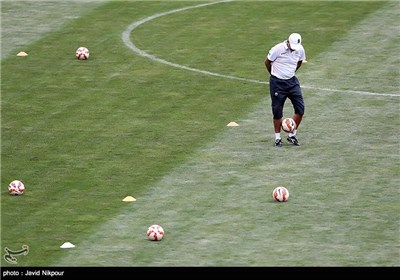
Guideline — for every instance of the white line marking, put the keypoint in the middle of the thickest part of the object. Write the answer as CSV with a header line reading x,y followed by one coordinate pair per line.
x,y
131,45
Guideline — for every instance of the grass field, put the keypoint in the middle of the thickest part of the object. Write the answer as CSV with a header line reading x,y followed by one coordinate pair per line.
x,y
147,116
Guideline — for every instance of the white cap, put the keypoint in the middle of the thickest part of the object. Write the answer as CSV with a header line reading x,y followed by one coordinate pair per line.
x,y
295,41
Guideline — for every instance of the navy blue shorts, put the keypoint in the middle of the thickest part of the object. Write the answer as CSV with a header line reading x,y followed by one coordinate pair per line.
x,y
280,90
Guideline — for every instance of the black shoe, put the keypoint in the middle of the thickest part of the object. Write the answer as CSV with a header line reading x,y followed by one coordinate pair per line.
x,y
278,143
293,140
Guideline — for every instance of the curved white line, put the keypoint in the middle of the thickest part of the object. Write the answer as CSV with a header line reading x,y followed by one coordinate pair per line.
x,y
131,45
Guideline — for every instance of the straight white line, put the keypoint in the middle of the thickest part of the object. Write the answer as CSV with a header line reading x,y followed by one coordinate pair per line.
x,y
127,41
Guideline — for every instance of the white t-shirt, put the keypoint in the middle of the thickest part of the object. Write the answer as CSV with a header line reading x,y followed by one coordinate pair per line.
x,y
284,61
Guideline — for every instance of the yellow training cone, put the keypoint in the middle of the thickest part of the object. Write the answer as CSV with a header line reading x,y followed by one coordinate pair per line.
x,y
129,199
232,124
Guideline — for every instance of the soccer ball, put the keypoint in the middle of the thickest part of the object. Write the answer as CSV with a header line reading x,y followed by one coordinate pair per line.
x,y
280,194
288,125
82,53
155,233
16,187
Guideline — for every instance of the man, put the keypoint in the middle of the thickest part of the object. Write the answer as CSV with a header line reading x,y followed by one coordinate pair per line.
x,y
282,62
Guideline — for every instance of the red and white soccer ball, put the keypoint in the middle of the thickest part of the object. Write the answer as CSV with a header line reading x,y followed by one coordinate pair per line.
x,y
155,233
280,194
82,53
288,125
16,187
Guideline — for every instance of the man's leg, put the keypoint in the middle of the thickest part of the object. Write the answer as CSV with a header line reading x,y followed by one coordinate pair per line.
x,y
297,119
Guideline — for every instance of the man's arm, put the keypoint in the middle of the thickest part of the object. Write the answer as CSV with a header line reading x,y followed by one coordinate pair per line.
x,y
267,63
299,64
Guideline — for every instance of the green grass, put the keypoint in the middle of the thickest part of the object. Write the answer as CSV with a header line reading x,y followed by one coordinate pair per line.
x,y
82,135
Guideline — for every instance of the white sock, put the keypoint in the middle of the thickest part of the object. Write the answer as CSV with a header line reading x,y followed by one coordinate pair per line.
x,y
277,136
293,133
